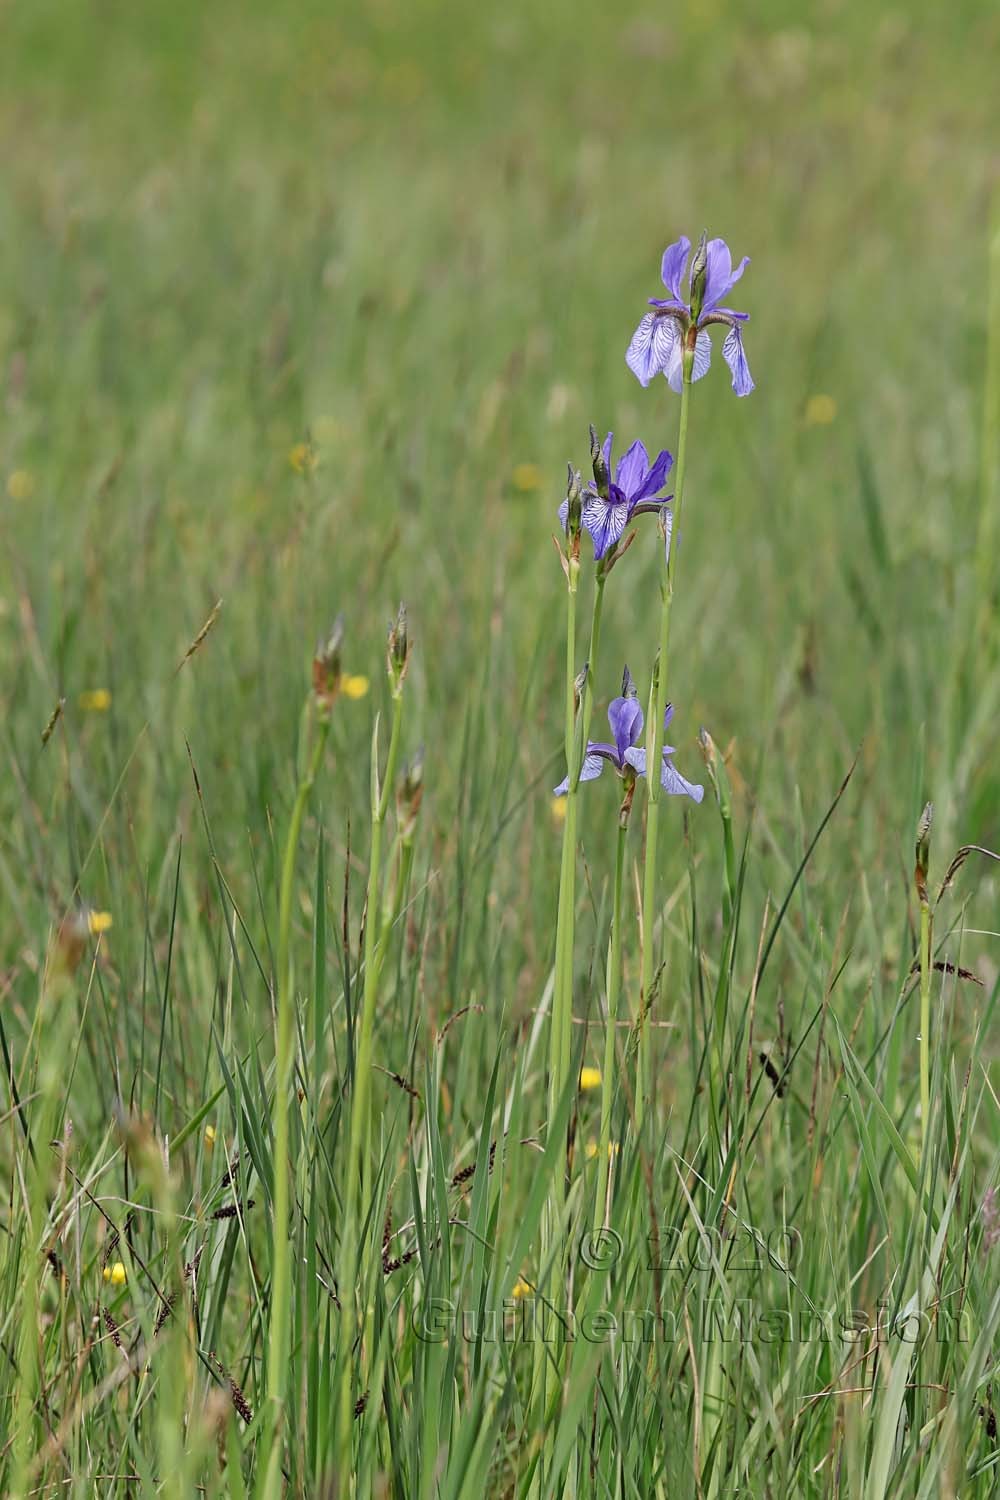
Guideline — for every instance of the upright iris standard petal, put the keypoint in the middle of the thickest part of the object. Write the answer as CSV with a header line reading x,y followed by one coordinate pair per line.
x,y
673,263
626,718
719,275
732,353
633,466
655,478
649,350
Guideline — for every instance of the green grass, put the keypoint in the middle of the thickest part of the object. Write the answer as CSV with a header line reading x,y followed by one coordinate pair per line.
x,y
417,238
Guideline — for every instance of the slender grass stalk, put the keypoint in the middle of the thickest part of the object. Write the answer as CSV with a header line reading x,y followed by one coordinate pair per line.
x,y
588,686
562,989
925,1021
654,747
613,985
373,958
37,1183
277,1362
920,877
560,1028
565,935
358,1184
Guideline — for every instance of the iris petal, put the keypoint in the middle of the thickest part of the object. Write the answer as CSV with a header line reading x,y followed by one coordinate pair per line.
x,y
674,370
605,520
632,469
674,783
593,765
732,353
650,348
719,273
625,718
673,263
656,478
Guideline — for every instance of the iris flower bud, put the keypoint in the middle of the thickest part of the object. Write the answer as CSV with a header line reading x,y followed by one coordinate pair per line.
x,y
574,504
602,476
699,273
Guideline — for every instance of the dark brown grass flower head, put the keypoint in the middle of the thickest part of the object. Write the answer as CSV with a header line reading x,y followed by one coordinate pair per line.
x,y
327,667
240,1402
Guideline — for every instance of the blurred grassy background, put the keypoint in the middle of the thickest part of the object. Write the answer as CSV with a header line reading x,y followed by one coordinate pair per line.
x,y
419,236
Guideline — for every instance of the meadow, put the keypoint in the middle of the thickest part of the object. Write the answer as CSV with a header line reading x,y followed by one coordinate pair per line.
x,y
304,310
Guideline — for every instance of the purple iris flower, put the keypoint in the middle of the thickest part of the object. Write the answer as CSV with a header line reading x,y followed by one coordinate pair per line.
x,y
635,492
626,720
684,318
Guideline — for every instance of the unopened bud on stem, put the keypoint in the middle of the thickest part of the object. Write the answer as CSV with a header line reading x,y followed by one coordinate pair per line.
x,y
327,667
923,850
410,795
602,477
699,274
574,507
398,649
579,684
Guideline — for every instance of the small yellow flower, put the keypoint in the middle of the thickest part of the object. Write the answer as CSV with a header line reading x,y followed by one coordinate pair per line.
x,y
115,1274
526,477
98,922
354,685
593,1150
558,809
303,458
590,1078
95,701
209,1137
21,485
522,1289
820,411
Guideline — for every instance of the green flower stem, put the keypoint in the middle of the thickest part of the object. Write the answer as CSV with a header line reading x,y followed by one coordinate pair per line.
x,y
588,686
925,1023
357,1186
576,745
614,975
654,751
52,1032
567,874
278,1361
